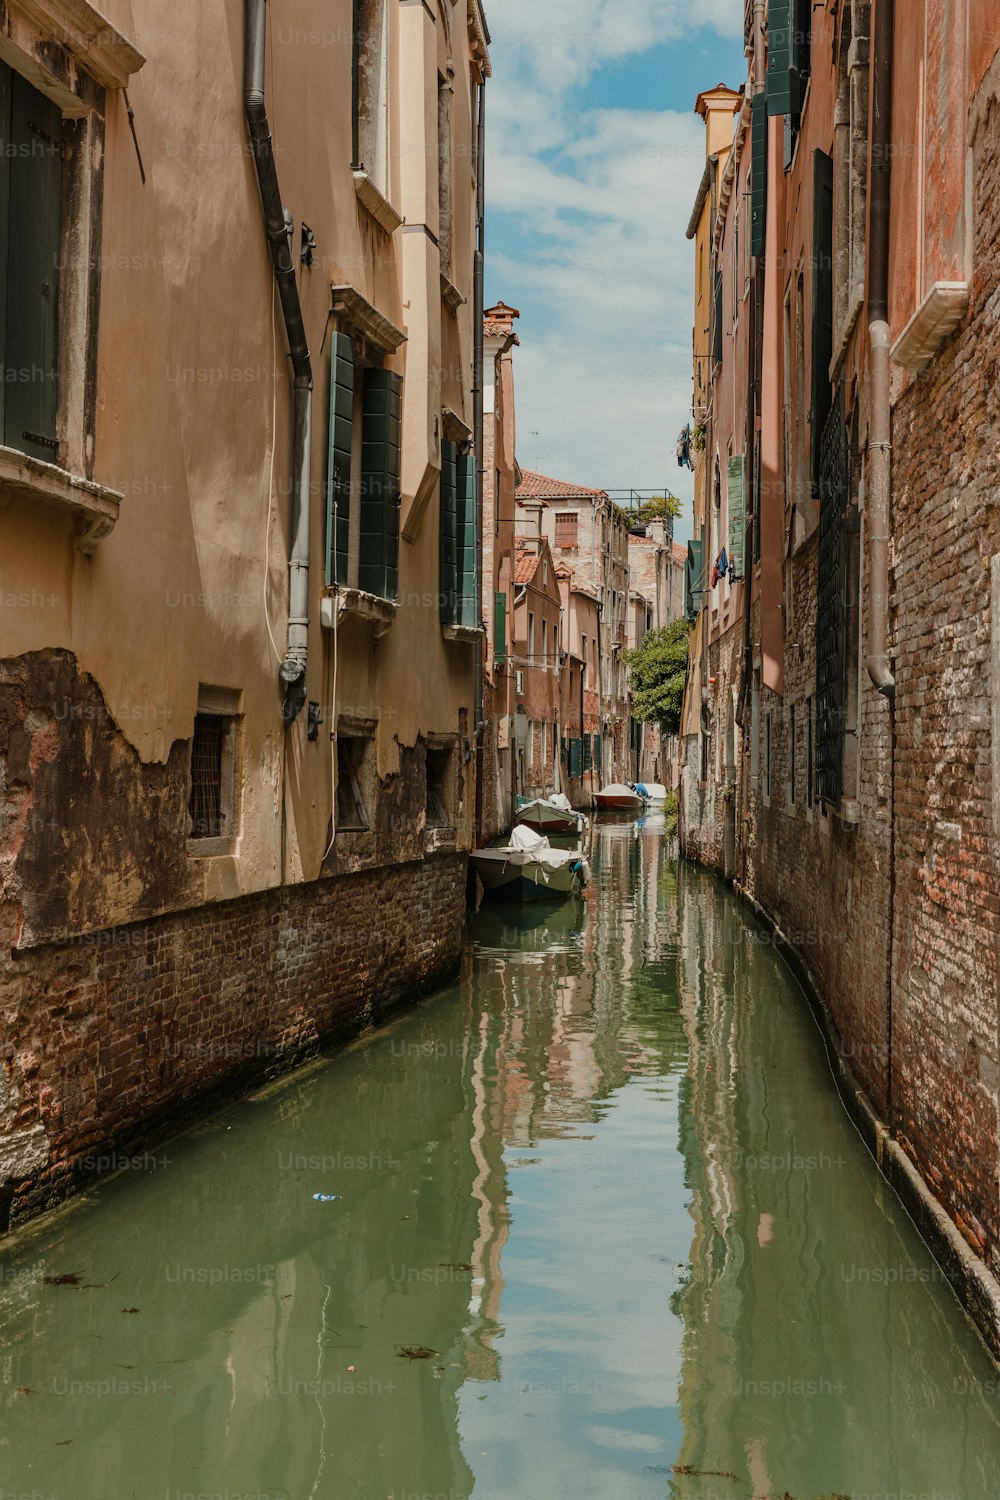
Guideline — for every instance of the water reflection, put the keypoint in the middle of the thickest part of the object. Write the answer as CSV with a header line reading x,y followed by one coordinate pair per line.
x,y
590,1217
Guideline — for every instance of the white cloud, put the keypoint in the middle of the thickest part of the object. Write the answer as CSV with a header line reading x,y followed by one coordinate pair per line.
x,y
595,205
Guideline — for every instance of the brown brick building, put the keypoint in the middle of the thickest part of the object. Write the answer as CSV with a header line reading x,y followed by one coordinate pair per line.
x,y
842,736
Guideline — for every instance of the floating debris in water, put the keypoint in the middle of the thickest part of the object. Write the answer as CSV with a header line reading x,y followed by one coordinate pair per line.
x,y
67,1278
707,1473
326,1197
130,1309
455,1265
415,1351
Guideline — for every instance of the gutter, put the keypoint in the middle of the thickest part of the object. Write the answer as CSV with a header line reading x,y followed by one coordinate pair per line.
x,y
277,227
880,432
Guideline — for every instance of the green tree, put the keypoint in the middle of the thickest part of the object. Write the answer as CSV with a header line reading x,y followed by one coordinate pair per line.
x,y
657,508
658,671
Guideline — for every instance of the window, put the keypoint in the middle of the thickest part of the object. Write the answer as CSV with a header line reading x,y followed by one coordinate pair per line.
x,y
440,787
500,627
352,757
737,273
459,585
531,638
531,745
755,727
566,528
767,757
717,321
586,664
851,167
212,801
371,91
363,463
545,643
822,306
545,747
31,130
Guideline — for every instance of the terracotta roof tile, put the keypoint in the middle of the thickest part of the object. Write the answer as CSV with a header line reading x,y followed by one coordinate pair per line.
x,y
536,486
680,552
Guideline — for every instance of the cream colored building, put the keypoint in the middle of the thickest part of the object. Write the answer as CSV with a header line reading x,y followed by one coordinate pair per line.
x,y
240,630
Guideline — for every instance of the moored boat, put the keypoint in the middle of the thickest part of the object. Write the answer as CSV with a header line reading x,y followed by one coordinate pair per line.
x,y
618,797
529,869
554,814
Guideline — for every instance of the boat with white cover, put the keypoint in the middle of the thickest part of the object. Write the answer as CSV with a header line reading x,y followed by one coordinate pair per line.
x,y
554,814
529,869
619,798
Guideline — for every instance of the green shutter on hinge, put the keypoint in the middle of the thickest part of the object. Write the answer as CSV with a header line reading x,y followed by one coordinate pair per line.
x,y
466,551
758,174
34,146
693,581
737,514
500,627
448,531
822,305
783,95
378,566
338,485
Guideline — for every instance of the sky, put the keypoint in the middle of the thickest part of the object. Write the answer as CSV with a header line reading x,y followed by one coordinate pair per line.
x,y
594,155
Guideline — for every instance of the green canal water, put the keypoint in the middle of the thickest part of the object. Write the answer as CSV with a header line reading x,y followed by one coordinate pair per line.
x,y
603,1184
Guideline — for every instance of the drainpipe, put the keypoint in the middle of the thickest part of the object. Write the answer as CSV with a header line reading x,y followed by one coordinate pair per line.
x,y
478,299
277,227
879,443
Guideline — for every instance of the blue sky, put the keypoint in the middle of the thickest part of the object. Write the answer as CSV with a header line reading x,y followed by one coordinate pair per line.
x,y
594,159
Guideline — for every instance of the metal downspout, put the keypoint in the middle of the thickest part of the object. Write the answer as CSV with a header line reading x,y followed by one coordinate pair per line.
x,y
880,431
478,299
276,226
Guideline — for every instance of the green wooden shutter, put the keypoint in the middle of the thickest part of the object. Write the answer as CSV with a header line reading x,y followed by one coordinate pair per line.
x,y
466,548
758,174
822,305
717,321
338,486
588,752
32,229
576,757
500,627
736,494
783,87
693,581
448,528
597,751
378,570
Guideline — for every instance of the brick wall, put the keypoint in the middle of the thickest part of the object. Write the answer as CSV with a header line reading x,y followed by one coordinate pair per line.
x,y
107,1038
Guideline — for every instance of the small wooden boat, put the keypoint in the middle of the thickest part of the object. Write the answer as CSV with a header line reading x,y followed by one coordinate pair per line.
x,y
553,814
529,869
619,798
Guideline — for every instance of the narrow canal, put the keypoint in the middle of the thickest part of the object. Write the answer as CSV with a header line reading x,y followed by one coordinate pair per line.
x,y
592,1223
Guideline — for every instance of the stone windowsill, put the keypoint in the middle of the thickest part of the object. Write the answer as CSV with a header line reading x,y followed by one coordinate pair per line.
x,y
933,323
466,633
375,201
358,605
81,30
95,506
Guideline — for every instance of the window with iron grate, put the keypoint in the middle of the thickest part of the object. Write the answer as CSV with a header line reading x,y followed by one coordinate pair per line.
x,y
213,797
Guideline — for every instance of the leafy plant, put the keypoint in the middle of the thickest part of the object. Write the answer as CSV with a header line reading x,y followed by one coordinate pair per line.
x,y
658,671
656,508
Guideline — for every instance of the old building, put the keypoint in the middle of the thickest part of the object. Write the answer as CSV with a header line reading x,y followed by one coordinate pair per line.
x,y
500,479
535,662
657,567
241,625
588,533
841,757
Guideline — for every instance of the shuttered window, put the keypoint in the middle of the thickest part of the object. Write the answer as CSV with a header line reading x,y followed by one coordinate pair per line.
x,y
758,174
338,488
576,757
693,581
822,306
500,627
30,193
448,530
737,514
458,589
378,566
566,528
588,752
783,96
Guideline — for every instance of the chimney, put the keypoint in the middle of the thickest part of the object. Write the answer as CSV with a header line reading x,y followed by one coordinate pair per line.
x,y
500,319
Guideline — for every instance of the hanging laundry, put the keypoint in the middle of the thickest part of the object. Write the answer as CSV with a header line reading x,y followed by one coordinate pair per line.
x,y
684,459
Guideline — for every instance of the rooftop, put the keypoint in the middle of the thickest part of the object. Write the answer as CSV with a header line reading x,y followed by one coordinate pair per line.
x,y
536,486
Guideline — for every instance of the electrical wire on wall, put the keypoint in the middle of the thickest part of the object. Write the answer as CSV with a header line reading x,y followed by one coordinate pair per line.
x,y
270,474
334,659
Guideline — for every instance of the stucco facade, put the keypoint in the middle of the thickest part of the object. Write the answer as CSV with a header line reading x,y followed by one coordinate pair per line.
x,y
152,557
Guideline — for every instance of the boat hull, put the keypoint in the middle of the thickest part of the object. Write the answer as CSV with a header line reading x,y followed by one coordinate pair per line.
x,y
506,879
546,819
618,802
